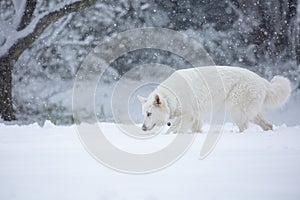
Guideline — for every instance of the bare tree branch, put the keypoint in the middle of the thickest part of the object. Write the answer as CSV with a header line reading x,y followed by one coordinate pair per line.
x,y
30,30
27,15
23,43
19,7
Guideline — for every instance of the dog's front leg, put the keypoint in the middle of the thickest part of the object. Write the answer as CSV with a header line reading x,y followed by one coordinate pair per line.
x,y
181,125
174,126
197,126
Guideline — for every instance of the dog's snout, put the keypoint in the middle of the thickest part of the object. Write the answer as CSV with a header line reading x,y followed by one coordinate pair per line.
x,y
144,128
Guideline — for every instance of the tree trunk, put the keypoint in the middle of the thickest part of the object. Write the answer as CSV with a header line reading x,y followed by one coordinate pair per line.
x,y
8,60
6,106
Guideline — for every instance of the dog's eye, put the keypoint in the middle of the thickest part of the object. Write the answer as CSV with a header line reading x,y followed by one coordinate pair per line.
x,y
149,114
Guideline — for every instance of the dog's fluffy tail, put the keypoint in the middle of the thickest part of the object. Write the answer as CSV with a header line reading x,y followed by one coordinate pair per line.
x,y
278,92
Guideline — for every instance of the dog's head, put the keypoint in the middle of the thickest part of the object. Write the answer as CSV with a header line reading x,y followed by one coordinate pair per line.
x,y
155,111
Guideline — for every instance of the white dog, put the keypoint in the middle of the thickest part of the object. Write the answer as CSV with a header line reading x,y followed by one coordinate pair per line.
x,y
189,94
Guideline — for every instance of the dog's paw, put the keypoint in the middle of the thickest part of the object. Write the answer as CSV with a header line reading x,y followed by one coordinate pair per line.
x,y
197,131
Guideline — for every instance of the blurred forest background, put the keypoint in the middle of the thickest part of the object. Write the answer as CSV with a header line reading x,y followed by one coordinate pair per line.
x,y
263,36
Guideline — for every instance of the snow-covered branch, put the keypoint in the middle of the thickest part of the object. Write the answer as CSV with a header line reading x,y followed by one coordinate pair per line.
x,y
27,15
26,30
17,41
21,8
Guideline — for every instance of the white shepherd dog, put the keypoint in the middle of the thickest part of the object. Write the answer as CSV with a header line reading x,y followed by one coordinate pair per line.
x,y
189,94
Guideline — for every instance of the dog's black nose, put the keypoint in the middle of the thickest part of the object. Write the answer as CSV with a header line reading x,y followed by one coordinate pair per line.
x,y
169,123
144,128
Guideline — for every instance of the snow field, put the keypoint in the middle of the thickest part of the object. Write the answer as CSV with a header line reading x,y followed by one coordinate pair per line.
x,y
51,163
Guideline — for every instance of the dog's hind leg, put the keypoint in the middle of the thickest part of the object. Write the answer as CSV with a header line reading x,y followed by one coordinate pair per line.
x,y
240,121
244,103
239,118
260,121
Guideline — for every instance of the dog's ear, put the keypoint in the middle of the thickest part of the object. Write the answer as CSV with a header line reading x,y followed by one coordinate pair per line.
x,y
142,99
157,101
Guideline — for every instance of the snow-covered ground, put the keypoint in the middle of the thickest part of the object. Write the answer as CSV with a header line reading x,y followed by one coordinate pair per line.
x,y
51,163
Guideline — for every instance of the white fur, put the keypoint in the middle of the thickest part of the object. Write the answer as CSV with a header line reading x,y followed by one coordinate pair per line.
x,y
189,94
